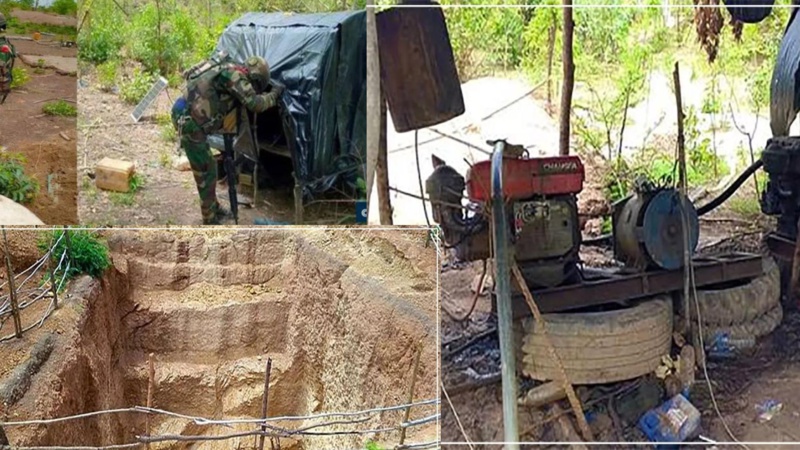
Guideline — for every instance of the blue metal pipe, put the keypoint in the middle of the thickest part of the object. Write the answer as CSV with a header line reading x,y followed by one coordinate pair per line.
x,y
502,260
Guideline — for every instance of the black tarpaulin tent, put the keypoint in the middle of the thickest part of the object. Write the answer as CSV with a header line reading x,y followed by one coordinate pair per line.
x,y
321,61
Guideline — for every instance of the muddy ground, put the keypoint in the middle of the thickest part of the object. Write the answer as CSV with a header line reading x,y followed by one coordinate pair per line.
x,y
340,313
48,143
768,373
169,195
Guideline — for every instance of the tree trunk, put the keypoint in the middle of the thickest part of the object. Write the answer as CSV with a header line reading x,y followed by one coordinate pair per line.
x,y
551,43
569,78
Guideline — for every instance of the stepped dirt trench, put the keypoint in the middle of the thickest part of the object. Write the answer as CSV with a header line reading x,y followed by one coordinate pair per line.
x,y
341,313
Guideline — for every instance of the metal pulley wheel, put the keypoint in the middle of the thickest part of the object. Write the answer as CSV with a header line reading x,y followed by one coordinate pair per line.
x,y
648,230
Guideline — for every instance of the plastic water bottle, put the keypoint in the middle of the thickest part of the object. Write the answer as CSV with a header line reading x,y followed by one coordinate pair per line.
x,y
674,421
724,347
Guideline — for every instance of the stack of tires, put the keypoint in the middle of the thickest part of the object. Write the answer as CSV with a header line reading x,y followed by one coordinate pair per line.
x,y
610,346
751,310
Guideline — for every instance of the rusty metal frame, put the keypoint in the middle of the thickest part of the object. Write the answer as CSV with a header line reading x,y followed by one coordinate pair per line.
x,y
604,287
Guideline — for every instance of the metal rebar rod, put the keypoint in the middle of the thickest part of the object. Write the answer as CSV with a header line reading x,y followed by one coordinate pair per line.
x,y
502,256
12,289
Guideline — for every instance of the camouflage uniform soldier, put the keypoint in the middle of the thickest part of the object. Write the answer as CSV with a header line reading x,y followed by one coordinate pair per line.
x,y
7,56
211,97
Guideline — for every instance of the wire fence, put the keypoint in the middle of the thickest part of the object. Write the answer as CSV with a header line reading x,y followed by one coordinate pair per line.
x,y
19,297
266,427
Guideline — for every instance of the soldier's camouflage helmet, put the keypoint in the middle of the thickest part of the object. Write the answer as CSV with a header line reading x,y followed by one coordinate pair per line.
x,y
258,72
2,22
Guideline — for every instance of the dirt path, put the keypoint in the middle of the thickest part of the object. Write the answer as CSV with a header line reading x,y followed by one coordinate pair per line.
x,y
48,143
169,196
45,18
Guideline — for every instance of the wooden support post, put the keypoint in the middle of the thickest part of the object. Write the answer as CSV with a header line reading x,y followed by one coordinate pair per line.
x,y
151,381
12,289
265,402
414,373
53,283
382,170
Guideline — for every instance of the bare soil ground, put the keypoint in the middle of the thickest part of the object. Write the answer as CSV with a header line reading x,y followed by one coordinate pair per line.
x,y
340,312
48,143
169,196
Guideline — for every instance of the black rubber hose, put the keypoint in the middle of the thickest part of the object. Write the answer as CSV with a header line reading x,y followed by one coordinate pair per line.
x,y
604,239
731,189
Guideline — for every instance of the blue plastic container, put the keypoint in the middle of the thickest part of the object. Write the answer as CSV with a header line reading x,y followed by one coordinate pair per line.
x,y
674,421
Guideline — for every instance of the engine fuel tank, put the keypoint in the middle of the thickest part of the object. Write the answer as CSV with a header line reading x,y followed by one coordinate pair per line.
x,y
648,230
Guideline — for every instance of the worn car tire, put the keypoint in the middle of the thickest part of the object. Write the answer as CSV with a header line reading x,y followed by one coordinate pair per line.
x,y
600,347
740,304
756,328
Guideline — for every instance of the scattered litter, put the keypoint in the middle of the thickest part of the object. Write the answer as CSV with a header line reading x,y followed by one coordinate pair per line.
x,y
768,410
722,346
667,367
266,221
674,421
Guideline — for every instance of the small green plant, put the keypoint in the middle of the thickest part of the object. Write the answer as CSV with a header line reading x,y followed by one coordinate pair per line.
x,y
134,89
21,77
128,198
372,445
60,108
88,253
14,183
107,74
361,185
164,160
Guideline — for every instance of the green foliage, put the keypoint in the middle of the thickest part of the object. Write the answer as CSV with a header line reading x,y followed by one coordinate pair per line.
x,y
21,77
60,108
64,7
99,44
128,198
136,86
361,186
88,253
107,73
484,38
371,445
14,183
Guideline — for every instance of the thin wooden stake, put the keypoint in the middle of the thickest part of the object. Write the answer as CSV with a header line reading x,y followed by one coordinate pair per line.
x,y
571,396
53,284
12,289
414,373
265,403
151,381
568,83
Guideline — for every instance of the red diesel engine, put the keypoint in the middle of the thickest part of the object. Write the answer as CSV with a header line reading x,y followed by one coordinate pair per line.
x,y
543,213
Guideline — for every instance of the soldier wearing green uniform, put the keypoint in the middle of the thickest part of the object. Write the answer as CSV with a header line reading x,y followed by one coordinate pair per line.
x,y
7,56
215,91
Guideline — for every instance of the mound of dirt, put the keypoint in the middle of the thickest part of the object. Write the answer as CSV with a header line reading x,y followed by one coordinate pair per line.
x,y
23,250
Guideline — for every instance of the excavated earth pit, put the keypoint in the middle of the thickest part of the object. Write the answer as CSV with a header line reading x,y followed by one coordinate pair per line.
x,y
339,312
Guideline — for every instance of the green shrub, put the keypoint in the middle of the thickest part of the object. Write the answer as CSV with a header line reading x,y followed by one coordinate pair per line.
x,y
21,77
14,184
134,89
88,253
99,44
64,7
107,74
60,108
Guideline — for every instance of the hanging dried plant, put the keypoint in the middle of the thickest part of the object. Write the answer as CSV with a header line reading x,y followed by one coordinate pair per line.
x,y
737,28
708,22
